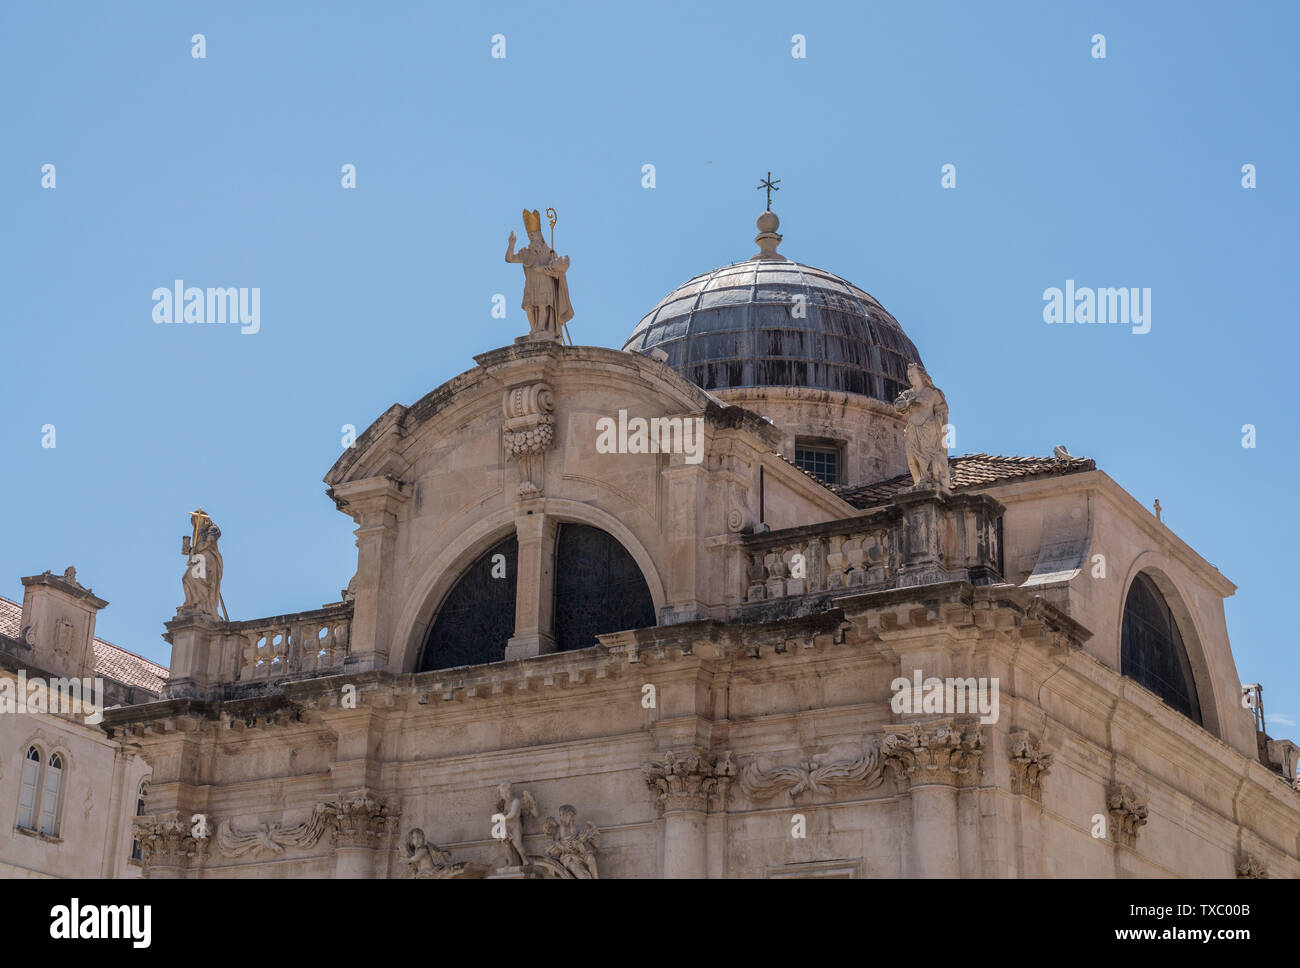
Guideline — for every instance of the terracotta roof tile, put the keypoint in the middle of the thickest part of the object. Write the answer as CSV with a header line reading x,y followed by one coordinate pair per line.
x,y
972,470
111,661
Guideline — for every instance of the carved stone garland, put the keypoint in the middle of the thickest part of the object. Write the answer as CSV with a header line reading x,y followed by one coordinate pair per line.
x,y
812,777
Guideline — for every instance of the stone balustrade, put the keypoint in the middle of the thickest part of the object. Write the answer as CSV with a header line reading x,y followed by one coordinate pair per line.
x,y
924,536
293,644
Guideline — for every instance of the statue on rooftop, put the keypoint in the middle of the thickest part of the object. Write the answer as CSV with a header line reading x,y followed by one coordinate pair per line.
x,y
546,288
926,411
202,581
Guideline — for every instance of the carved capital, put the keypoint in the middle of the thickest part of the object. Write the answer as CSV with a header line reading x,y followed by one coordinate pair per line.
x,y
690,779
361,820
927,753
169,841
1250,867
1127,812
1030,762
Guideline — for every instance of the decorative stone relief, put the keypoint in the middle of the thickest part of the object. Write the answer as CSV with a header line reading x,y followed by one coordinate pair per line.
x,y
1127,812
428,861
813,777
529,432
923,754
1251,868
690,779
356,820
273,837
1030,762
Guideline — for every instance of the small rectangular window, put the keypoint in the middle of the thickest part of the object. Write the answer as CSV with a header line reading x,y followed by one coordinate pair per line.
x,y
821,461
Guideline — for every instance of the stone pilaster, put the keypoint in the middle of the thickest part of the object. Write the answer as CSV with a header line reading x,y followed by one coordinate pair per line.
x,y
535,588
374,504
930,761
686,784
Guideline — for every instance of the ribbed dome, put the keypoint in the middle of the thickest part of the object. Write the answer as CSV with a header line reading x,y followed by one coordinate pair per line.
x,y
742,326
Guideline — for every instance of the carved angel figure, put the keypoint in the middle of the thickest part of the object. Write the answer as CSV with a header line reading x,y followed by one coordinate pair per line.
x,y
513,809
573,848
424,859
926,410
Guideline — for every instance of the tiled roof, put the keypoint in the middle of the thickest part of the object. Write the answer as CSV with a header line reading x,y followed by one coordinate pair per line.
x,y
111,662
972,470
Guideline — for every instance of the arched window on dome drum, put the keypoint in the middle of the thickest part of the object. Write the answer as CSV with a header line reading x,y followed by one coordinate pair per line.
x,y
477,617
598,588
1152,650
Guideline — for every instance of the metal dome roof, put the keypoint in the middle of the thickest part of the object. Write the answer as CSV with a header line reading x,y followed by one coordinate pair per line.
x,y
742,325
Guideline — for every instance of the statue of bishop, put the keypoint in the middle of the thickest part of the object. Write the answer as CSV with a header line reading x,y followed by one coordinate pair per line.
x,y
546,288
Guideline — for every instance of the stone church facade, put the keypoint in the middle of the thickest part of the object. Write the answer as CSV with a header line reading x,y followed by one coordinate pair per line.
x,y
714,605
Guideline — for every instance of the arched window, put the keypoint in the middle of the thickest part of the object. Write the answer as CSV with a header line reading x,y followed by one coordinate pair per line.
x,y
598,588
50,796
1152,650
477,617
42,786
31,787
140,794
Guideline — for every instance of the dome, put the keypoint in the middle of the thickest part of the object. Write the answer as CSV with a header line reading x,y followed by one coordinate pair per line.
x,y
744,325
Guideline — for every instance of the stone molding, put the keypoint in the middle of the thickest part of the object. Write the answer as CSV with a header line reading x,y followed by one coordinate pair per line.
x,y
933,753
810,776
1030,762
690,779
1127,811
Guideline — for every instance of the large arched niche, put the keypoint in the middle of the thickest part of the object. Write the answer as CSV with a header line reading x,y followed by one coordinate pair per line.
x,y
1161,649
443,563
599,587
475,621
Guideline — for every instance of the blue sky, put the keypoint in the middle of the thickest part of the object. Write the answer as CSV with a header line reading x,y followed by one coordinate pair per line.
x,y
225,171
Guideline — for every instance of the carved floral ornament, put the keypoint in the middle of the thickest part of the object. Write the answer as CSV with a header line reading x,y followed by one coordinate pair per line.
x,y
811,776
927,753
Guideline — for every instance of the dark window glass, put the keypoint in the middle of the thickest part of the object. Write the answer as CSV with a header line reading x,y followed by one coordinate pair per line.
x,y
598,588
822,461
1152,651
477,618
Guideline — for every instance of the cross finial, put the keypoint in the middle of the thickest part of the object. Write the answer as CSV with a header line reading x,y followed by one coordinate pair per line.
x,y
771,187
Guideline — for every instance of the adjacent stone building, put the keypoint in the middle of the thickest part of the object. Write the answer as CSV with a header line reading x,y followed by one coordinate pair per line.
x,y
710,606
69,793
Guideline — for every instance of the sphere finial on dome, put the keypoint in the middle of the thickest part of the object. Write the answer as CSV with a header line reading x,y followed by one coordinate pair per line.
x,y
768,238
